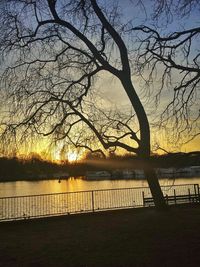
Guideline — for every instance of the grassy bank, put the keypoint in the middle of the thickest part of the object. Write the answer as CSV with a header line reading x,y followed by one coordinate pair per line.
x,y
138,237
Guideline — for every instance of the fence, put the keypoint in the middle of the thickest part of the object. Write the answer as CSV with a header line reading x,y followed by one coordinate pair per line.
x,y
45,205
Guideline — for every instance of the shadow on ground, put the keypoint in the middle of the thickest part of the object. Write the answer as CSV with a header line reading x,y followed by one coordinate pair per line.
x,y
135,237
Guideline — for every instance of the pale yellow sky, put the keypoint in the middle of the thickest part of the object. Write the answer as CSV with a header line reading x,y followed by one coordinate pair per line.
x,y
115,95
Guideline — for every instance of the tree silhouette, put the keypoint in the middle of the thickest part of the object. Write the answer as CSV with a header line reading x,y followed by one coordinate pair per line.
x,y
174,57
52,51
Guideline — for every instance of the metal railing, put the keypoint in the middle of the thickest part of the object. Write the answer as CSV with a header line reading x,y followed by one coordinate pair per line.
x,y
46,205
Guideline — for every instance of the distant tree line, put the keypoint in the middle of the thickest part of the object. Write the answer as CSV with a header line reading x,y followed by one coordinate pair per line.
x,y
19,169
36,168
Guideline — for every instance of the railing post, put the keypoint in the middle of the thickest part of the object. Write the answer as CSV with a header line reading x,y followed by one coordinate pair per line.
x,y
143,198
93,201
198,193
175,196
167,199
189,195
195,193
195,190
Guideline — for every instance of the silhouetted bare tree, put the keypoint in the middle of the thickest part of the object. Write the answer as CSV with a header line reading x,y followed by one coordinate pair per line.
x,y
51,53
173,57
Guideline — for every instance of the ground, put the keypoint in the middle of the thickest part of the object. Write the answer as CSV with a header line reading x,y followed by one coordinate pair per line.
x,y
135,237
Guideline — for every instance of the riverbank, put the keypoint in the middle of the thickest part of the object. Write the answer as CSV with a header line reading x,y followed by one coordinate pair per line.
x,y
138,237
64,177
34,168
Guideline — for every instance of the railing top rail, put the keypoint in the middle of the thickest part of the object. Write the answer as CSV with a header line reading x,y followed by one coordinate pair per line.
x,y
79,191
96,190
179,185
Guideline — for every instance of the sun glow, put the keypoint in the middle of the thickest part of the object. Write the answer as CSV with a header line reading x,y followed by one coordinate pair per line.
x,y
72,156
63,153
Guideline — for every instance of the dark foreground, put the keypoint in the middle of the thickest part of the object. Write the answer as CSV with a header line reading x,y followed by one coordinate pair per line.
x,y
138,237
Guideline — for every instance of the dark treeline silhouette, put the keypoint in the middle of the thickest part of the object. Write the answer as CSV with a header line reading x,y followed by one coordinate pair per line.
x,y
23,169
177,160
36,168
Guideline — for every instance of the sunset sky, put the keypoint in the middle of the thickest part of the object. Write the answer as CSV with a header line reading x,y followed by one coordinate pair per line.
x,y
110,92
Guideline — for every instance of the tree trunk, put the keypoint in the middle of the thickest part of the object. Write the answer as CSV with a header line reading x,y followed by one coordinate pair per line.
x,y
144,146
155,188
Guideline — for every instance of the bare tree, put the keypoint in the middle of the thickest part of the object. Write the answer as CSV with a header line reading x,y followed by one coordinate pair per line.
x,y
52,51
112,127
173,58
167,10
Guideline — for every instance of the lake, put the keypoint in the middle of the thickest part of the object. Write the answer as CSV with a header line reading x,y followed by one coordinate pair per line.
x,y
32,199
71,184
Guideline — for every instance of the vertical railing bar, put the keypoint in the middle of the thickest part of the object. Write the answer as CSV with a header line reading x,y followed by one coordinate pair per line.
x,y
167,199
143,198
175,196
198,193
189,195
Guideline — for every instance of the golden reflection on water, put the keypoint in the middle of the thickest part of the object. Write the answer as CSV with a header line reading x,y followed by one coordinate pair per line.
x,y
67,185
77,184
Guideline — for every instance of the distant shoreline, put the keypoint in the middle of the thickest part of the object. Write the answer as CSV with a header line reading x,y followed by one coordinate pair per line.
x,y
93,179
170,166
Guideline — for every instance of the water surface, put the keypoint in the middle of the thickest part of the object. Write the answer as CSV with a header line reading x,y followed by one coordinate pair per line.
x,y
19,188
